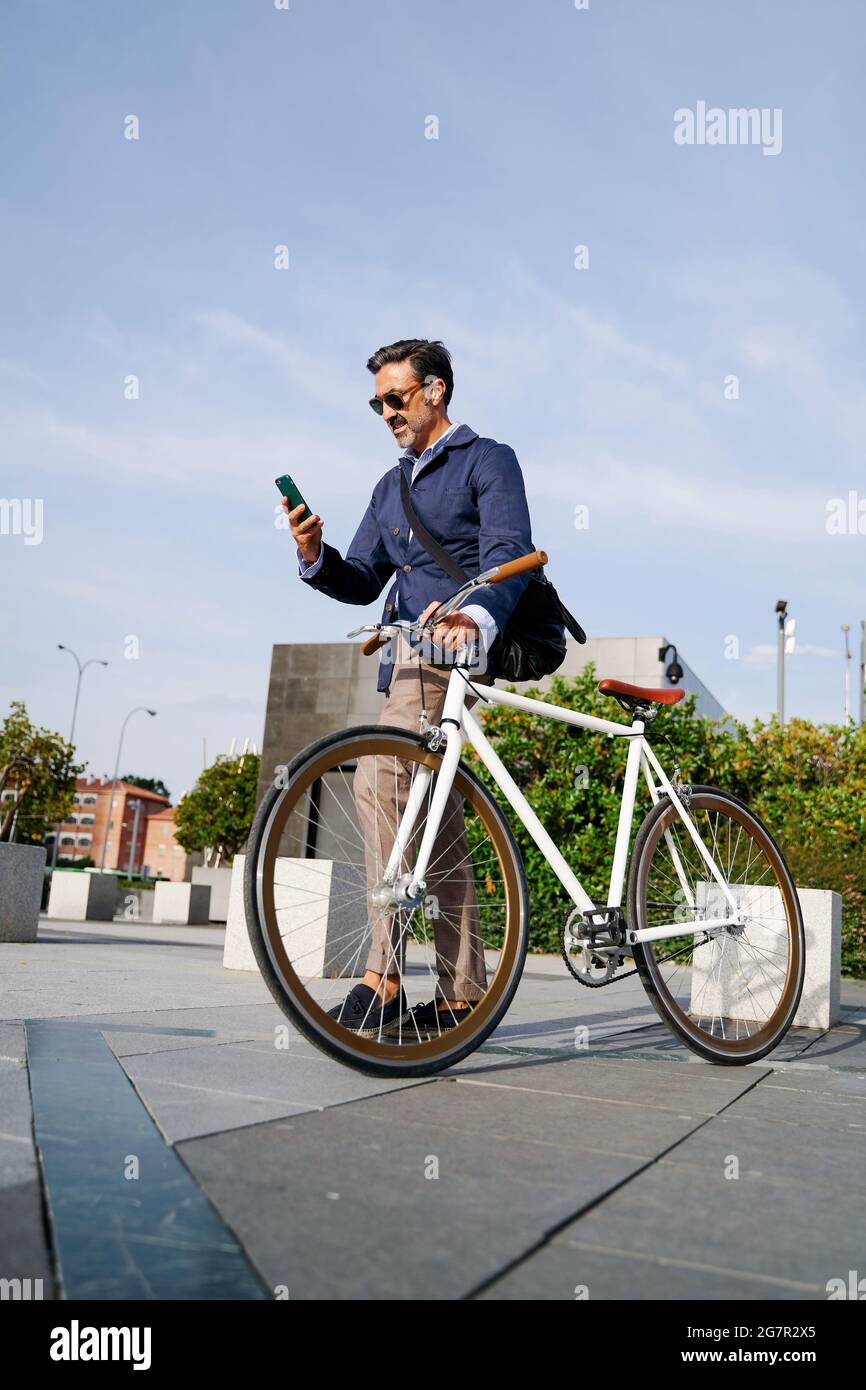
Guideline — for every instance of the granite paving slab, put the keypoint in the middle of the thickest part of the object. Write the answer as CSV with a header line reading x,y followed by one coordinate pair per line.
x,y
793,1218
321,1190
202,1090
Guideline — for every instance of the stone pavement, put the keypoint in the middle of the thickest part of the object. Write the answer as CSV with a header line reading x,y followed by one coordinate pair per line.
x,y
182,1154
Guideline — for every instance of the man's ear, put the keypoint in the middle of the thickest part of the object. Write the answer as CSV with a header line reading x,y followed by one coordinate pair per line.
x,y
429,384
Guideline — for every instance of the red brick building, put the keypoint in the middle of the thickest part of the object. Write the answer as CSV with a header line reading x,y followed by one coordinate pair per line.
x,y
82,834
163,856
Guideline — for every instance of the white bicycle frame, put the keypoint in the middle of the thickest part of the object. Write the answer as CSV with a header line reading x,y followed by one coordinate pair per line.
x,y
458,724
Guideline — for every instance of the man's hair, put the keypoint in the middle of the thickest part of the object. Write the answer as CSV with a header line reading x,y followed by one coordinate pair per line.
x,y
426,358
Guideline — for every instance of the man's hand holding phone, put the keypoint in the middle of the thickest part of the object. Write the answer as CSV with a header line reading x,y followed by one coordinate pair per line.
x,y
306,527
307,534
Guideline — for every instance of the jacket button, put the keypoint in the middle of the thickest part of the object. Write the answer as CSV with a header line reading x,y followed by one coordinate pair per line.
x,y
406,569
396,530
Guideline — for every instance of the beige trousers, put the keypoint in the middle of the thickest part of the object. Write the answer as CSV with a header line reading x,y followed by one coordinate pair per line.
x,y
380,789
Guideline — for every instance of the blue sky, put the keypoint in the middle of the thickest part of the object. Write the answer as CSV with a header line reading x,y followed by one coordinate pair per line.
x,y
306,127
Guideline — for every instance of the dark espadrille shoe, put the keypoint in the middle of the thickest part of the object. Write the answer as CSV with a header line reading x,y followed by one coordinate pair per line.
x,y
362,1012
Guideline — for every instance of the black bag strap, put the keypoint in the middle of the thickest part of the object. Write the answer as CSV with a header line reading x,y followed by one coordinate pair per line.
x,y
454,571
433,548
570,621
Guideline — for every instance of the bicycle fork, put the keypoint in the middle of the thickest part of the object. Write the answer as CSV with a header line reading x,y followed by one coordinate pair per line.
x,y
410,889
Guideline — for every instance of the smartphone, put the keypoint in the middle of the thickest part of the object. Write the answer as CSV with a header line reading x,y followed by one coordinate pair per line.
x,y
289,489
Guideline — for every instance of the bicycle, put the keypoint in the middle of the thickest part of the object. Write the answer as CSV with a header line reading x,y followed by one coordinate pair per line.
x,y
711,921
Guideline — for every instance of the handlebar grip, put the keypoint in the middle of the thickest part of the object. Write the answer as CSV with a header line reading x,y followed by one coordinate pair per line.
x,y
533,561
372,644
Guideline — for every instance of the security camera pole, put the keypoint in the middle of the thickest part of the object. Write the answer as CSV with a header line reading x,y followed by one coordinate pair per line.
x,y
782,611
846,685
674,672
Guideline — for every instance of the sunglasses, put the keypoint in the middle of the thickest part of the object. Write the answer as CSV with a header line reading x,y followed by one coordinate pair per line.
x,y
395,400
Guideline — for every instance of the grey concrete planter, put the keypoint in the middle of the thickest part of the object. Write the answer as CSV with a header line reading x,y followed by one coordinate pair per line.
x,y
21,875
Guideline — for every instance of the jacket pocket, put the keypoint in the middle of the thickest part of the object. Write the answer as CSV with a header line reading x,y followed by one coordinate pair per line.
x,y
449,513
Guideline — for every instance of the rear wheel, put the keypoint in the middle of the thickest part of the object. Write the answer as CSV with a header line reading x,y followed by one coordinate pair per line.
x,y
730,993
314,875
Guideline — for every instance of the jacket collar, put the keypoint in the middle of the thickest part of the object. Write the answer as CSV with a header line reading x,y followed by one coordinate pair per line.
x,y
457,439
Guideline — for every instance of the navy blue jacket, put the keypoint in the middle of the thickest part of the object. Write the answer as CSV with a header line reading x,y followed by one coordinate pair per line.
x,y
471,497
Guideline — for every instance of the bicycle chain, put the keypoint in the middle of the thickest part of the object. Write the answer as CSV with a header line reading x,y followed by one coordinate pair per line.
x,y
615,979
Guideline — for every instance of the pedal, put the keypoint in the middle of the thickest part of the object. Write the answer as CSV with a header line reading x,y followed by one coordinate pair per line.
x,y
601,926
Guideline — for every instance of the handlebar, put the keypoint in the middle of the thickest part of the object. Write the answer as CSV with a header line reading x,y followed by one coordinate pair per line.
x,y
534,560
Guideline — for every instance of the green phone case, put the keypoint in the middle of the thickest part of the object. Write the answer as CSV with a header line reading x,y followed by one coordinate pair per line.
x,y
289,489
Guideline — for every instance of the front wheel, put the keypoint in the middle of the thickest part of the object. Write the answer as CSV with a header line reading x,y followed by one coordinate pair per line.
x,y
731,992
318,908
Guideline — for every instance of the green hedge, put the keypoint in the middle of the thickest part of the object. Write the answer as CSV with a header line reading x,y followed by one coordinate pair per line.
x,y
806,781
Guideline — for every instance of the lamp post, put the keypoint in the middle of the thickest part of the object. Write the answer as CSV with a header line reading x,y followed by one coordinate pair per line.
x,y
846,684
136,805
93,661
138,709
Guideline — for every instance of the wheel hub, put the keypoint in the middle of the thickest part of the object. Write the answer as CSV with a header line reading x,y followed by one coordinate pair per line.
x,y
405,892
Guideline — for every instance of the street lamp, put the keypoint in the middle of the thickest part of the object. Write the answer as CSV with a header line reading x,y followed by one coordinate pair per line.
x,y
142,709
846,686
93,661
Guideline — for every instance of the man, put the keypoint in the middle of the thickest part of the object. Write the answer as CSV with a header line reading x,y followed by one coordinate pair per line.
x,y
468,491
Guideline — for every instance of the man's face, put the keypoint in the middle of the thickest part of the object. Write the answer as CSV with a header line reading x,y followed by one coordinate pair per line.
x,y
416,419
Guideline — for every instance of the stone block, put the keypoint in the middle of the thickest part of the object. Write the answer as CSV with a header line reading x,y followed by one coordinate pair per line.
x,y
79,896
321,905
741,985
21,882
181,904
219,881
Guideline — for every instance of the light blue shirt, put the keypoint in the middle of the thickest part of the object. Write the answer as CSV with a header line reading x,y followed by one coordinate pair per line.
x,y
487,625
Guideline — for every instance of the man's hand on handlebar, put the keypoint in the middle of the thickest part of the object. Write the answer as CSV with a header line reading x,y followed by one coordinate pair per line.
x,y
452,630
307,534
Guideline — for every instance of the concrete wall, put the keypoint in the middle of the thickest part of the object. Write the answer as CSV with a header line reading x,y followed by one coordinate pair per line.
x,y
318,687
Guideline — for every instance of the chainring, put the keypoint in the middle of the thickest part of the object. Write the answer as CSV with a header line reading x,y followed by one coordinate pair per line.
x,y
593,968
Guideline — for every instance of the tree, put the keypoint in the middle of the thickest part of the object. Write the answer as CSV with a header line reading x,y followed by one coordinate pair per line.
x,y
37,765
150,784
218,812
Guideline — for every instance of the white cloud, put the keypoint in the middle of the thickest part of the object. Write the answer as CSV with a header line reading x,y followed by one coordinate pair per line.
x,y
763,656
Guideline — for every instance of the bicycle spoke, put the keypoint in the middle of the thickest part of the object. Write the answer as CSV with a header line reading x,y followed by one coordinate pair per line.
x,y
333,920
733,988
